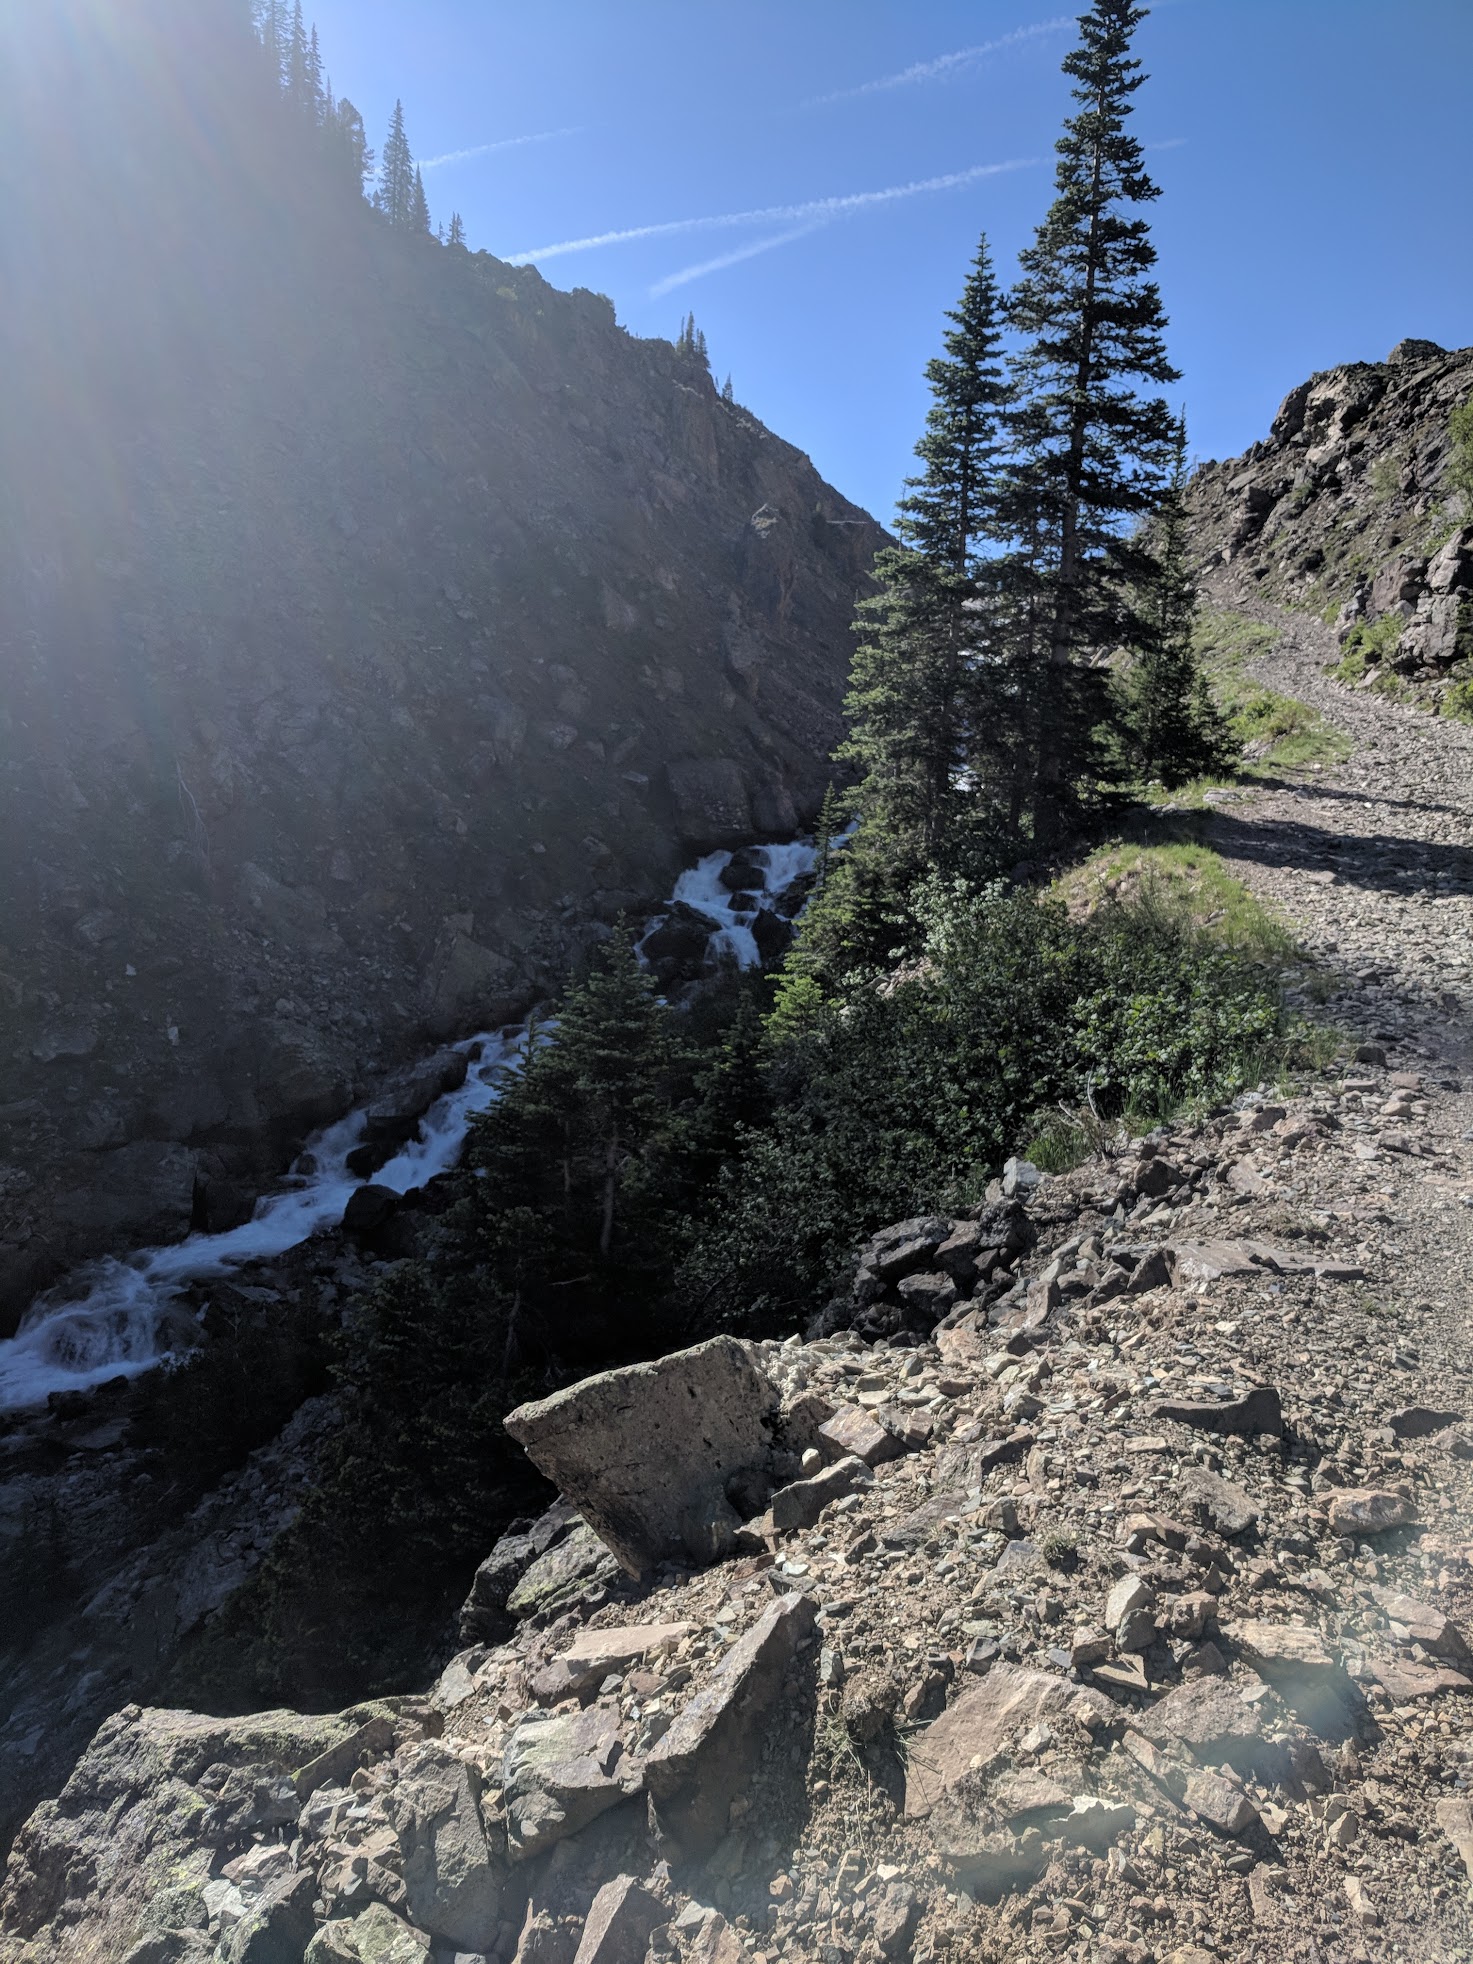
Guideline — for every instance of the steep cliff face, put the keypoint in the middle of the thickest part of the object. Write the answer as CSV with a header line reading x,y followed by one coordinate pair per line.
x,y
1349,507
372,617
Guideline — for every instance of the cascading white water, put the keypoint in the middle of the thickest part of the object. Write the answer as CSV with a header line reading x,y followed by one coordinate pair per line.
x,y
121,1316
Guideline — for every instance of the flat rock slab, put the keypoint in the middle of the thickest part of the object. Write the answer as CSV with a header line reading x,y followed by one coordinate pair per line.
x,y
1254,1410
1209,1261
1285,1648
646,1453
1367,1510
1214,1724
709,1754
594,1655
453,1878
1405,1683
1008,1699
1455,1818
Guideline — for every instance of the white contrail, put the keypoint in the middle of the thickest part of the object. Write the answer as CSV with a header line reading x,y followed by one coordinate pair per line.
x,y
719,265
820,209
928,71
485,149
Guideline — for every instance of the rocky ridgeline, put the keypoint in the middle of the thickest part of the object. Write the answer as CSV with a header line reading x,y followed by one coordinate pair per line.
x,y
1105,1597
1347,503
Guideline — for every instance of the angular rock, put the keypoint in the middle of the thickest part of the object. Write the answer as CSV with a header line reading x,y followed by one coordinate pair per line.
x,y
1413,1621
278,1928
1355,1511
854,1432
1222,1506
619,1924
1421,1421
1129,1613
905,1258
370,1208
483,1615
1455,1818
646,1452
1008,1699
376,1936
1225,1808
707,1757
453,1878
558,1578
1255,1410
1285,1649
594,1655
799,1504
560,1773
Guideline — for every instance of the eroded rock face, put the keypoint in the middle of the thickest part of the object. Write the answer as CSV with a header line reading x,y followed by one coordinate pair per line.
x,y
319,713
1348,503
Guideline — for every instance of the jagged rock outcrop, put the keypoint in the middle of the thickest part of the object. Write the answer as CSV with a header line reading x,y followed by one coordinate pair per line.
x,y
373,618
1348,507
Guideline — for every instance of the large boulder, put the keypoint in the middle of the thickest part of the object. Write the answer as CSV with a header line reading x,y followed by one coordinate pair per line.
x,y
648,1453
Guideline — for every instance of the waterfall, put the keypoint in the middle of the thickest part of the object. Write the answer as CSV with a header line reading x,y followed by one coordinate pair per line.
x,y
122,1315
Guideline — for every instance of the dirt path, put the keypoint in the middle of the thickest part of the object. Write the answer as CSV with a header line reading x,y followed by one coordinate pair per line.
x,y
1372,860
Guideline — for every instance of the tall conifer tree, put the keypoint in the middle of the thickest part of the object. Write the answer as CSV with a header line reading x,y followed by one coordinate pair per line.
x,y
1092,450
396,178
419,208
915,685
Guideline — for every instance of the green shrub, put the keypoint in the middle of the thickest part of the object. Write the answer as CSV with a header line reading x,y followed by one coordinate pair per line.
x,y
1367,646
1460,463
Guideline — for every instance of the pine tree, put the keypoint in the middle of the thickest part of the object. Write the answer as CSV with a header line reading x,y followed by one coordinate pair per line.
x,y
456,235
298,88
728,393
917,683
1092,452
419,210
1179,733
396,178
318,94
347,127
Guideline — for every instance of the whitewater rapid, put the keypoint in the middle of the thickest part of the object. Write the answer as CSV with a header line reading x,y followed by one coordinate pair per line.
x,y
123,1315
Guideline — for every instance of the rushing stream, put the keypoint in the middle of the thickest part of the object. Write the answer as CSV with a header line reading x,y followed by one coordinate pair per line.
x,y
122,1315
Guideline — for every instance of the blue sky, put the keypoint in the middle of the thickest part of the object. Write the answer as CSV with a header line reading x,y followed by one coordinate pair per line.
x,y
1313,161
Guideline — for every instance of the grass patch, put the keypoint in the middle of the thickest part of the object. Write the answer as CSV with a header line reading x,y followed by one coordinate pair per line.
x,y
1284,734
1368,645
1457,702
1188,881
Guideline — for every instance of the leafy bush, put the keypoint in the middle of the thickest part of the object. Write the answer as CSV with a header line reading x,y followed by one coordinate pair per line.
x,y
1368,645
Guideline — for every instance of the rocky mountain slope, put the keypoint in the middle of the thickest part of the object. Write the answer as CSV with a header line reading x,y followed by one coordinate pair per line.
x,y
373,618
1123,1612
1348,509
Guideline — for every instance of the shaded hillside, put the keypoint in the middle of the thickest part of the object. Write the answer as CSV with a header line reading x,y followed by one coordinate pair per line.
x,y
1357,506
371,617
